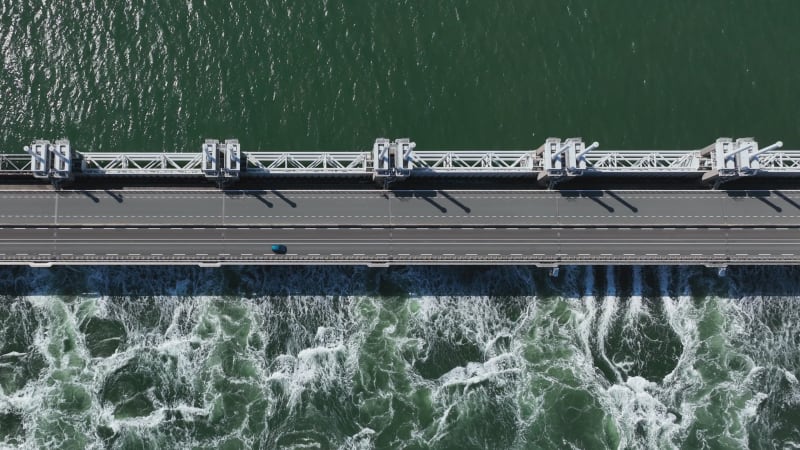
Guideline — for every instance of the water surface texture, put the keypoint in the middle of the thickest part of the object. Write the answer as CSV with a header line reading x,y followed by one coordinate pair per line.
x,y
416,358
399,358
163,75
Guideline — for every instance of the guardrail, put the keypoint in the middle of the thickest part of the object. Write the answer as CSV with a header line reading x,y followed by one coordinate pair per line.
x,y
545,260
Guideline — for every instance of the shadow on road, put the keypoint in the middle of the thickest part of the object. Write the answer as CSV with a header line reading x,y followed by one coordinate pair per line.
x,y
762,196
284,198
260,197
769,203
616,197
114,195
428,196
91,196
456,202
787,199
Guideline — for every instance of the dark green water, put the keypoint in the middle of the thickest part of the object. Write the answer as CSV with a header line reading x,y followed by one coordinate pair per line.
x,y
405,358
162,75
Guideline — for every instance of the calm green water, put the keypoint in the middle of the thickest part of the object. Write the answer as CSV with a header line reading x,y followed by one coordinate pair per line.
x,y
332,357
163,75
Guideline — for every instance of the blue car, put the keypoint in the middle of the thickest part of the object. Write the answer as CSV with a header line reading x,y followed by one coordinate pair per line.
x,y
279,249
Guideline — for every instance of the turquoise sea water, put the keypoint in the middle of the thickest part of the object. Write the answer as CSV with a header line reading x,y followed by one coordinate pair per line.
x,y
327,357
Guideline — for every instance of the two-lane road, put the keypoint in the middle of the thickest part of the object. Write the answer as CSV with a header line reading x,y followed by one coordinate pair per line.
x,y
400,227
401,245
399,208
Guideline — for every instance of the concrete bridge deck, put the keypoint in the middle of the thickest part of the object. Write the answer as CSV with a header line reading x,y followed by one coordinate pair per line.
x,y
376,227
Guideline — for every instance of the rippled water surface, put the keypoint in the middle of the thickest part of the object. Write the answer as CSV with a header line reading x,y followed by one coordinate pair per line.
x,y
166,357
162,75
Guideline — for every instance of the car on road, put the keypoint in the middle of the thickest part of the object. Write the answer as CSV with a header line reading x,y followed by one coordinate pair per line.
x,y
280,249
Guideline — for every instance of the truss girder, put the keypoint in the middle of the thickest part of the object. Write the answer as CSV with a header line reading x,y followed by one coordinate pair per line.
x,y
476,161
643,161
15,163
265,163
143,164
780,161
557,159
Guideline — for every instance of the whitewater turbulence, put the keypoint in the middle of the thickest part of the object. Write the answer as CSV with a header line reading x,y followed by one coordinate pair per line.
x,y
509,357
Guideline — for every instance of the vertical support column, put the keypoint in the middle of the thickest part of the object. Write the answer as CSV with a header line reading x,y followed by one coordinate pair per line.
x,y
40,158
380,158
211,158
62,160
733,159
550,167
722,165
233,159
743,148
560,159
403,157
571,148
722,148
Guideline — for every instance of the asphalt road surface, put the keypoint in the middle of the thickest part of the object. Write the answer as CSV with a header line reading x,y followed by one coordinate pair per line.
x,y
400,227
399,208
374,245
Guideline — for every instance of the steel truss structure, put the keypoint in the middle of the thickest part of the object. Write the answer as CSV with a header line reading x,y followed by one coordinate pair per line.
x,y
556,160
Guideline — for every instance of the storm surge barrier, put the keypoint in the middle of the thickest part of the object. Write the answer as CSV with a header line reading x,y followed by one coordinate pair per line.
x,y
555,161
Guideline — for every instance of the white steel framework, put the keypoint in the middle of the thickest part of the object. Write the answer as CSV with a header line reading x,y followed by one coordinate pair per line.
x,y
388,160
141,164
308,163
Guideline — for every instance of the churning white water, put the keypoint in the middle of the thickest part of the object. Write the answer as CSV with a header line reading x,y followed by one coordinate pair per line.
x,y
601,357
